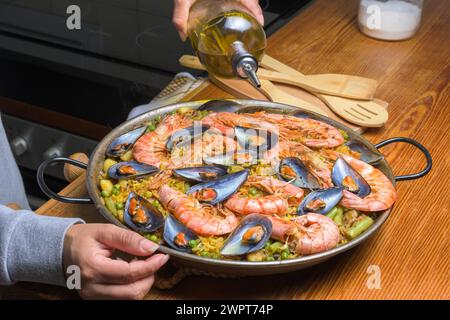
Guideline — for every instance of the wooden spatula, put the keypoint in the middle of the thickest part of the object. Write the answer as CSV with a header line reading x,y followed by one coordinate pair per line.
x,y
341,85
363,113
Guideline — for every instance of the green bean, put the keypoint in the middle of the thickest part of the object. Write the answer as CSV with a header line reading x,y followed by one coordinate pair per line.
x,y
359,226
110,205
332,213
338,218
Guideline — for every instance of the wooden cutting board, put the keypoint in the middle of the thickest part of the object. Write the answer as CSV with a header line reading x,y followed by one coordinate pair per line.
x,y
244,90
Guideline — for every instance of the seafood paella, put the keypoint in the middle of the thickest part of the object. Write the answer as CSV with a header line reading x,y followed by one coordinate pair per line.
x,y
227,182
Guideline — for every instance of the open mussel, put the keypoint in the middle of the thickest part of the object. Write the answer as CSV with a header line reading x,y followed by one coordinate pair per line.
x,y
343,175
366,154
320,201
249,236
255,140
220,106
177,235
185,136
124,142
140,215
293,170
200,174
131,169
218,190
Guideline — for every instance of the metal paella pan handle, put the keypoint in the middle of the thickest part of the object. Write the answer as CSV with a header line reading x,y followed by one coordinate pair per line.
x,y
417,145
51,193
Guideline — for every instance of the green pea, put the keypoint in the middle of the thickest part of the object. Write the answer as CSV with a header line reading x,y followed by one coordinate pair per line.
x,y
284,255
117,186
115,191
148,194
154,238
151,126
270,259
105,194
119,205
204,254
193,243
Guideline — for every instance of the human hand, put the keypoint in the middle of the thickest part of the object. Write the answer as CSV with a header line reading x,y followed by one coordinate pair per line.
x,y
181,14
90,247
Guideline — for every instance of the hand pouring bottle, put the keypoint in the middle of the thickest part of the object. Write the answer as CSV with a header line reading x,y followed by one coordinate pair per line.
x,y
228,40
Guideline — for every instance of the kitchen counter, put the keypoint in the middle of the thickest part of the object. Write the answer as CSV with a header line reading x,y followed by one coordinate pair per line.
x,y
411,249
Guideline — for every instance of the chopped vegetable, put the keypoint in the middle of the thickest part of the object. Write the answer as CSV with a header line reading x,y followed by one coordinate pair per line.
x,y
110,205
106,185
359,226
107,164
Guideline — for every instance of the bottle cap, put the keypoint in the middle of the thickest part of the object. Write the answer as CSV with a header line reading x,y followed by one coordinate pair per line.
x,y
246,68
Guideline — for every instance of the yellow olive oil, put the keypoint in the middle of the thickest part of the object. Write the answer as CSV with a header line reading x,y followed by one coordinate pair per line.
x,y
218,40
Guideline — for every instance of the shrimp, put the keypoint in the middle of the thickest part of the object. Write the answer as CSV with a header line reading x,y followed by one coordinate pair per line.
x,y
151,149
281,196
308,234
383,194
205,220
211,143
317,165
224,121
313,133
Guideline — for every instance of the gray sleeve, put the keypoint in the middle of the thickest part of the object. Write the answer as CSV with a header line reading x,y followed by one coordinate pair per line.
x,y
31,246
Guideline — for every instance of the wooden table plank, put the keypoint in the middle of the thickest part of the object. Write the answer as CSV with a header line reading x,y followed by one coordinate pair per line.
x,y
411,249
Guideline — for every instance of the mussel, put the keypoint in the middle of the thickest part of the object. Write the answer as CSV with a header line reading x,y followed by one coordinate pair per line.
x,y
255,140
232,158
185,136
294,170
124,142
367,155
218,190
140,215
320,201
177,235
220,106
131,169
343,175
249,236
200,174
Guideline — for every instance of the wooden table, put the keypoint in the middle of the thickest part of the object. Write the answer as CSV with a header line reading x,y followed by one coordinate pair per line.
x,y
412,248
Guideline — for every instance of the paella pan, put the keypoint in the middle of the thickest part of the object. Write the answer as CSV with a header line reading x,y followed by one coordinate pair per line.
x,y
241,187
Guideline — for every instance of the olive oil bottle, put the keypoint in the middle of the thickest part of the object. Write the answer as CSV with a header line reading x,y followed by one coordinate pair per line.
x,y
227,39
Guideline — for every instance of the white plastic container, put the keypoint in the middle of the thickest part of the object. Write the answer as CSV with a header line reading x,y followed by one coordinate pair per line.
x,y
390,19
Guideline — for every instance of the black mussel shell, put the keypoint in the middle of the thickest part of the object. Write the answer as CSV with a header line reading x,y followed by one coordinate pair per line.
x,y
200,174
124,142
185,136
367,155
343,175
220,106
245,238
255,140
320,201
218,190
131,169
301,178
152,219
177,235
232,158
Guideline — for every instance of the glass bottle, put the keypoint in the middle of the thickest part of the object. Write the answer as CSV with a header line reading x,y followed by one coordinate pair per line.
x,y
390,19
227,39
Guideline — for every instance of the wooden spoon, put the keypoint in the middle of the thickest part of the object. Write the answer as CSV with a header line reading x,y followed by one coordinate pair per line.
x,y
278,95
363,113
341,85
